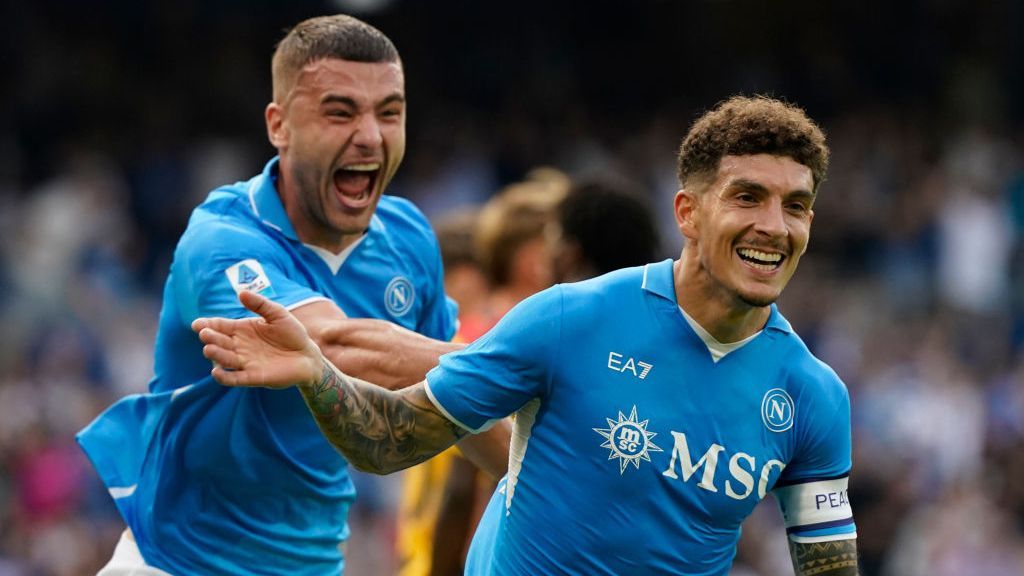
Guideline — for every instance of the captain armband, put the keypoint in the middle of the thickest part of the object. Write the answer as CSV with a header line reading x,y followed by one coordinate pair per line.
x,y
816,510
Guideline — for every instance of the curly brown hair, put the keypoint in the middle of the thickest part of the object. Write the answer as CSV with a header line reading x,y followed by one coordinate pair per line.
x,y
744,125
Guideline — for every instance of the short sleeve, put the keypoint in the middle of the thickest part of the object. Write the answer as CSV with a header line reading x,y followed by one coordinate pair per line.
x,y
503,369
812,491
218,259
825,445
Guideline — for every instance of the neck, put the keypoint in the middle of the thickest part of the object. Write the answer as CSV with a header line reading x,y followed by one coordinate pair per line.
x,y
726,317
306,228
333,243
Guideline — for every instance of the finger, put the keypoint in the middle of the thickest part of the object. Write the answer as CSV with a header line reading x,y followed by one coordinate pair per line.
x,y
211,336
229,377
199,323
265,307
224,325
222,356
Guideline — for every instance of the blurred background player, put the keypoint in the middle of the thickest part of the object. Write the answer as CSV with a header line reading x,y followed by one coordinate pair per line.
x,y
493,259
603,224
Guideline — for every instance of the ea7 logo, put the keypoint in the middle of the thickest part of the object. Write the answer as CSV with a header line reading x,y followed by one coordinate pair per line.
x,y
638,368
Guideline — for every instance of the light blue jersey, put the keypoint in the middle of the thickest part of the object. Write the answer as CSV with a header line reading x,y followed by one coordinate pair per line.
x,y
633,451
218,480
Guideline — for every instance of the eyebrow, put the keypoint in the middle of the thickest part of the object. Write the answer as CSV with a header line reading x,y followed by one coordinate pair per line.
x,y
347,101
338,99
753,186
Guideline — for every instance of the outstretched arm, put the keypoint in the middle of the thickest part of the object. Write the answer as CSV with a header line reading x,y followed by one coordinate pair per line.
x,y
377,351
834,558
377,430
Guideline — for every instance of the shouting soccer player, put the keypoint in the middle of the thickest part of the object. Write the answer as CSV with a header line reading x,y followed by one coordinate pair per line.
x,y
656,406
212,480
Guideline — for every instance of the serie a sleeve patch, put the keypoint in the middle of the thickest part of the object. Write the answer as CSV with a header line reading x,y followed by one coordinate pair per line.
x,y
248,275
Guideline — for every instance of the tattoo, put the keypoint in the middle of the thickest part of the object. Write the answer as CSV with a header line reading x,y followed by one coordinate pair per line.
x,y
835,558
378,430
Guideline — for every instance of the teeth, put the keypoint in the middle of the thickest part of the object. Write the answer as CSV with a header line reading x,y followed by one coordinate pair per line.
x,y
368,167
760,256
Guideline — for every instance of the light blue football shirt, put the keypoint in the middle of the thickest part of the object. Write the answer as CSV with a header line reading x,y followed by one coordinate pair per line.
x,y
217,480
633,451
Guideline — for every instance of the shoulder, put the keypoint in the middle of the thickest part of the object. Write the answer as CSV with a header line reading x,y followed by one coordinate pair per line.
x,y
613,285
223,222
810,379
401,217
602,297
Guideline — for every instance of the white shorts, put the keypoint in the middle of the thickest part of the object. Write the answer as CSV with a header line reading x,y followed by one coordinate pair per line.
x,y
127,560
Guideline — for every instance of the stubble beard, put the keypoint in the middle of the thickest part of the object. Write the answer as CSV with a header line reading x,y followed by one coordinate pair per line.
x,y
737,294
756,302
312,200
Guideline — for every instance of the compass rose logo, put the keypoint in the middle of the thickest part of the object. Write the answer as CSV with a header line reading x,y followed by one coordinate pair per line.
x,y
628,440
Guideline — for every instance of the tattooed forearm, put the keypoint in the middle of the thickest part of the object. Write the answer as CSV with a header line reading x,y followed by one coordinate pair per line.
x,y
378,430
836,558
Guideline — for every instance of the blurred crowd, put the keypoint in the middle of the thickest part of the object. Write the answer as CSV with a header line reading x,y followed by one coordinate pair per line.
x,y
912,289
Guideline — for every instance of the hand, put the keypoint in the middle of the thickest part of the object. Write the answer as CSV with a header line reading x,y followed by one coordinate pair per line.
x,y
380,352
272,350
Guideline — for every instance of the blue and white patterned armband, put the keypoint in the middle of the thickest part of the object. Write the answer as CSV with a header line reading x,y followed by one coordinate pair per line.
x,y
817,509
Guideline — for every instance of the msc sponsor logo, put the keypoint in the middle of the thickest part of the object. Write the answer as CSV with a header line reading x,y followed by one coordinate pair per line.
x,y
635,367
745,473
777,410
628,440
399,296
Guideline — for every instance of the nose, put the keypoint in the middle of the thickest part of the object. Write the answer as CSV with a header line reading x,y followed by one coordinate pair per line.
x,y
367,133
771,220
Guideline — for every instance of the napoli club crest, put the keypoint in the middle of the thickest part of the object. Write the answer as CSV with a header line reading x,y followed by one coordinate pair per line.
x,y
777,410
399,296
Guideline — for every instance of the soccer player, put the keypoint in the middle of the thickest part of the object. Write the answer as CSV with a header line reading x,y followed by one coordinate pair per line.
x,y
655,406
212,480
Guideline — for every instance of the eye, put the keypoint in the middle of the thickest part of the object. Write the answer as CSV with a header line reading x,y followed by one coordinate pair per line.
x,y
797,207
746,197
345,114
391,113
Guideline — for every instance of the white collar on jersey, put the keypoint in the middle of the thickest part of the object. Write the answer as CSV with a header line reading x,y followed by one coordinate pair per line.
x,y
334,261
717,349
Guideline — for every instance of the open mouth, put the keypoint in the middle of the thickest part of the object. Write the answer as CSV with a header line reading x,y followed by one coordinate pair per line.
x,y
767,261
355,184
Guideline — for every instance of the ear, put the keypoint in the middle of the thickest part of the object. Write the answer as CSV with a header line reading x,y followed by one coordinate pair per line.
x,y
810,220
687,214
277,131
